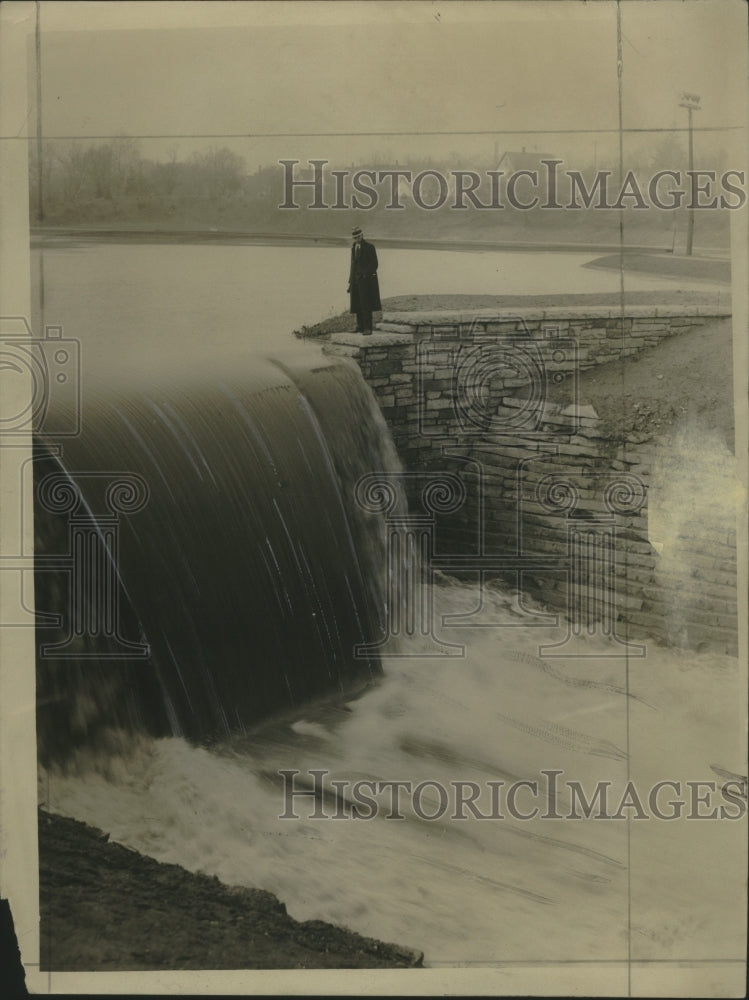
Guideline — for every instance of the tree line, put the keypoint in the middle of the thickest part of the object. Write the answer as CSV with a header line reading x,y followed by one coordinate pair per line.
x,y
71,174
82,182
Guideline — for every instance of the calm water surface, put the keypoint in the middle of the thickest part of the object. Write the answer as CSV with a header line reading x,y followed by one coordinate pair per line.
x,y
159,308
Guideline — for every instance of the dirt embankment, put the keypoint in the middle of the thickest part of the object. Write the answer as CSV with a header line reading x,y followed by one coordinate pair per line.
x,y
688,376
106,907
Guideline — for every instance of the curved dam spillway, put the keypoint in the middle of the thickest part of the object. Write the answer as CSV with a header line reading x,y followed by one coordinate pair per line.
x,y
199,547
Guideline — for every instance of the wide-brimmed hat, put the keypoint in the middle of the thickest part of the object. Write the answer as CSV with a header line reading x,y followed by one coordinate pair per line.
x,y
357,232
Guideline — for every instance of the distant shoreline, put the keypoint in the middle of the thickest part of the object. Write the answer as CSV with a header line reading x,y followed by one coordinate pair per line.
x,y
51,236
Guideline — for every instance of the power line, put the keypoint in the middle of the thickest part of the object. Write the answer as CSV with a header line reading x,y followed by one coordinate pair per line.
x,y
355,135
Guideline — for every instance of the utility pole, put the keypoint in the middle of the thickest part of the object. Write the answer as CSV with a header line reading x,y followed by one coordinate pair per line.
x,y
692,103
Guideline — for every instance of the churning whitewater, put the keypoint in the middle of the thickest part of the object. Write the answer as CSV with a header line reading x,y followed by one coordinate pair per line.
x,y
537,889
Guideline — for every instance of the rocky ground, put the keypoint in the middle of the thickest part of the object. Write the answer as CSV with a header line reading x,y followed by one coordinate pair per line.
x,y
686,377
106,907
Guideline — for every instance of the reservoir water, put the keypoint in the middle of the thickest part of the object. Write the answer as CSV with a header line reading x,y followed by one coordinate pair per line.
x,y
149,307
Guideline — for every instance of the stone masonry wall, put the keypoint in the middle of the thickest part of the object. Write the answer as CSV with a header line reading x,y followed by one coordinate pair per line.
x,y
495,400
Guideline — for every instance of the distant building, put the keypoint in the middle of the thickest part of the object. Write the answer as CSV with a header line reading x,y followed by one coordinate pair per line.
x,y
512,161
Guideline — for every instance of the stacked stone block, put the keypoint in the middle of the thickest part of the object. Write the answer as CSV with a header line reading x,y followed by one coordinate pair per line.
x,y
453,400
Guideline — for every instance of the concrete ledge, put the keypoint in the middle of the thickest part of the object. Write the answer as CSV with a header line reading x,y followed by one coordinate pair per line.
x,y
377,339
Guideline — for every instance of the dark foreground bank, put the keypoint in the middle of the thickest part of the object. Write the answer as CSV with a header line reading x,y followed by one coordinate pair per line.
x,y
105,907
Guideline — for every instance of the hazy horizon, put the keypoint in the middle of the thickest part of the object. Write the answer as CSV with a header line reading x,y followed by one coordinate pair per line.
x,y
354,86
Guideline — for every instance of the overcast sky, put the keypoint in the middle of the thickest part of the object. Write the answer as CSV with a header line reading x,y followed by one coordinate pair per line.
x,y
142,70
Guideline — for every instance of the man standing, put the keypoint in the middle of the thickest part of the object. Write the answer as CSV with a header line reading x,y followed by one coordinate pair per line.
x,y
363,286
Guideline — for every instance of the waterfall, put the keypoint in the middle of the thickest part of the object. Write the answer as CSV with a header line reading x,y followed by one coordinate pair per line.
x,y
245,573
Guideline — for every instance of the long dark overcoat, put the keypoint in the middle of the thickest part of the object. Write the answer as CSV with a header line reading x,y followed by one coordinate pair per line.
x,y
364,287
